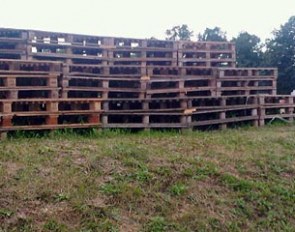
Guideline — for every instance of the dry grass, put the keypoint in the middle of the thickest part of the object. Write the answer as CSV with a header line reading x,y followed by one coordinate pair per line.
x,y
232,180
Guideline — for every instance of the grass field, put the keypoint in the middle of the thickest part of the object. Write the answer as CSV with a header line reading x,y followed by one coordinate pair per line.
x,y
231,180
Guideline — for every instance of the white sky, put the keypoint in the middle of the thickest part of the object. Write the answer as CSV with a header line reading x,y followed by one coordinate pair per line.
x,y
144,19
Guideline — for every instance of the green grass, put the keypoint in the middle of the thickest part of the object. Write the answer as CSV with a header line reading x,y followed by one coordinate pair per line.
x,y
231,180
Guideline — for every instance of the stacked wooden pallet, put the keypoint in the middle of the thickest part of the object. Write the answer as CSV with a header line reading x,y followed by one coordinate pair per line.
x,y
206,54
246,81
30,99
144,83
13,44
199,112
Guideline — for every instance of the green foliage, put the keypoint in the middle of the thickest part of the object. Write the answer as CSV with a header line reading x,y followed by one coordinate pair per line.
x,y
106,226
160,224
235,183
5,213
54,226
281,53
97,219
206,169
164,171
178,189
107,133
111,189
179,33
241,207
157,224
212,34
128,150
248,50
142,174
61,197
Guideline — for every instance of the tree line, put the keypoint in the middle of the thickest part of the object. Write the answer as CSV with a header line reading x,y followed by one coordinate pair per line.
x,y
278,51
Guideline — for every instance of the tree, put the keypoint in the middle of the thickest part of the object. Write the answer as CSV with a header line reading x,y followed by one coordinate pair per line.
x,y
280,53
248,50
215,34
179,33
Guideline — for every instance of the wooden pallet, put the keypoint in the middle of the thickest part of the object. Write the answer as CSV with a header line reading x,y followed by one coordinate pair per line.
x,y
33,67
144,83
206,54
49,114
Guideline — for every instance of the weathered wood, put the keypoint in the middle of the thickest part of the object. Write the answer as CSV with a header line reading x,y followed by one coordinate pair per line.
x,y
130,83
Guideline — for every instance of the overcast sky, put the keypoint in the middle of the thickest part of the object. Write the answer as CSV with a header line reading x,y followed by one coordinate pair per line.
x,y
144,19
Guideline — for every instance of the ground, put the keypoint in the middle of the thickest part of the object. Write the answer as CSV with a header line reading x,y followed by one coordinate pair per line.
x,y
230,180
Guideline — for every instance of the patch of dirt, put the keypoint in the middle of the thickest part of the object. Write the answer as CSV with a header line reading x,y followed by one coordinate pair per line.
x,y
100,201
160,162
127,224
80,161
45,171
207,195
182,209
108,165
22,212
12,168
61,211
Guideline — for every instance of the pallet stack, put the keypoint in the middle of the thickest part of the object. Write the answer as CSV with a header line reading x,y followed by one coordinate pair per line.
x,y
30,99
13,44
144,83
206,54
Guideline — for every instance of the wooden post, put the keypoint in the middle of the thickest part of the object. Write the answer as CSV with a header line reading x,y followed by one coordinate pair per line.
x,y
208,55
186,122
7,107
94,118
10,81
222,115
53,94
189,122
146,121
261,110
184,103
52,81
52,120
105,120
183,120
64,93
13,94
105,86
6,121
254,112
52,106
181,88
143,86
218,88
95,105
290,109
